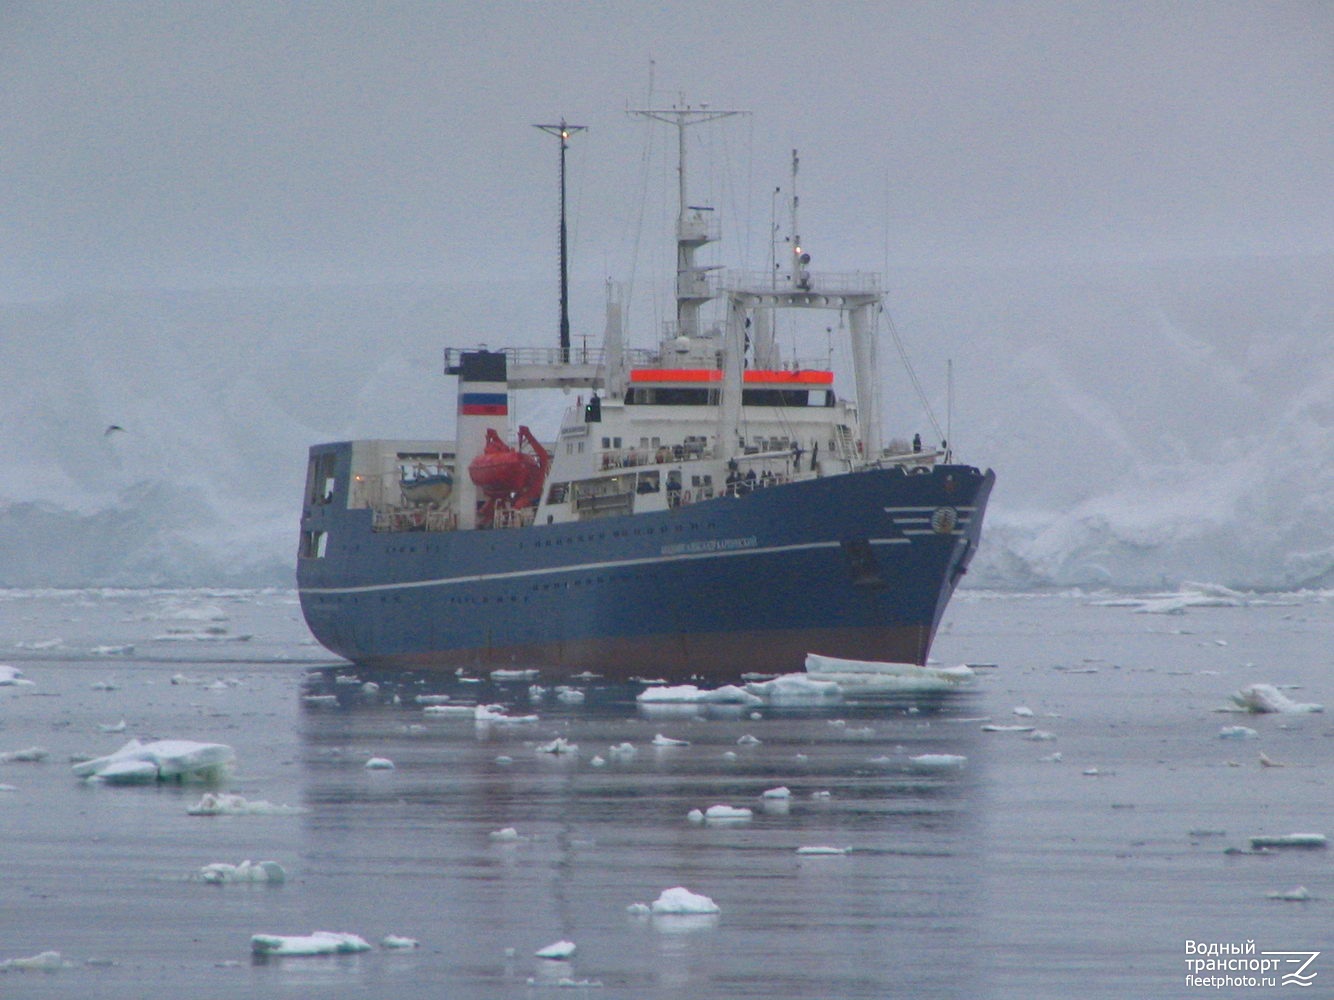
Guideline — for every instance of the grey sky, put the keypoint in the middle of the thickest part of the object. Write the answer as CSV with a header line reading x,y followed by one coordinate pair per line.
x,y
191,143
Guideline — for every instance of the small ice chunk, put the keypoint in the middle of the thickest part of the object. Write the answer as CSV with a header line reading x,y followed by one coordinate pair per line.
x,y
504,759
1023,711
681,900
1238,733
820,850
1268,698
379,764
690,694
395,942
781,792
666,741
47,961
569,695
230,804
12,676
508,834
449,711
316,700
247,871
1298,895
28,755
727,814
557,950
1290,840
1040,736
515,675
623,751
638,909
162,760
695,815
997,728
315,943
431,699
747,740
559,745
496,713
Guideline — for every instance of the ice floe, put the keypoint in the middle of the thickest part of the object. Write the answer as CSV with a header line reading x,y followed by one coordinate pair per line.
x,y
396,942
1268,698
820,850
379,764
220,872
161,760
230,804
1238,733
315,943
507,835
781,792
667,741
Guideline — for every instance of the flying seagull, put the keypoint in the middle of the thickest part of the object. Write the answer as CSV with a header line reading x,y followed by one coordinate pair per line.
x,y
112,428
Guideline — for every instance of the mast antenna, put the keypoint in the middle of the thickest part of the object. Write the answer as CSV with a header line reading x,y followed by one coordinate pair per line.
x,y
563,132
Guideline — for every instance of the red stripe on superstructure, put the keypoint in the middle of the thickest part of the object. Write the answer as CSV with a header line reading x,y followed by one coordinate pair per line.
x,y
484,409
807,377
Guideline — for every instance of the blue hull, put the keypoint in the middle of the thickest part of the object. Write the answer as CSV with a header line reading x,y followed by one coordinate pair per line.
x,y
859,566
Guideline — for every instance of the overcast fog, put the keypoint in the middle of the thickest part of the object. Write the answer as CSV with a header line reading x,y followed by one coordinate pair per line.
x,y
239,229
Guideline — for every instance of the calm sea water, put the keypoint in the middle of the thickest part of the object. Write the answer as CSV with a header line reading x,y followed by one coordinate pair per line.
x,y
1013,875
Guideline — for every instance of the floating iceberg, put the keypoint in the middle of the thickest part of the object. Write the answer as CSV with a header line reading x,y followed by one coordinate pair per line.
x,y
316,943
1268,698
220,872
379,764
667,741
1300,894
163,760
681,901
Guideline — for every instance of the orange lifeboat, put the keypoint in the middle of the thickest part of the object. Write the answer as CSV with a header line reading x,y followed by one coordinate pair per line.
x,y
509,475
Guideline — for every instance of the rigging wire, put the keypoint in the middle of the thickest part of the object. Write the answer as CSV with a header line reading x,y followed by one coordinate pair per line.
x,y
912,374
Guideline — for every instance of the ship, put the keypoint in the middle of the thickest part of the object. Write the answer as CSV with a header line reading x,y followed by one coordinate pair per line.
x,y
709,509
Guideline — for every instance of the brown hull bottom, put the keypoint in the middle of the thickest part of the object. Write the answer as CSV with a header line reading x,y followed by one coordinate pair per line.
x,y
715,658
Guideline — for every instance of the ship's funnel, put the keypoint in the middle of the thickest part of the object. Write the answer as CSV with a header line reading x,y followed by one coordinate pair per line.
x,y
483,407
